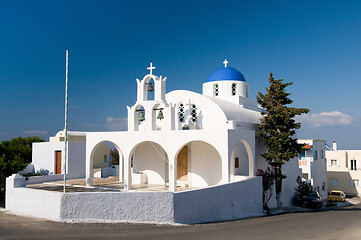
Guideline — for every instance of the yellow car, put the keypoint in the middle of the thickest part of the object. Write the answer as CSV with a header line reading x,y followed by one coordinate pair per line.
x,y
337,196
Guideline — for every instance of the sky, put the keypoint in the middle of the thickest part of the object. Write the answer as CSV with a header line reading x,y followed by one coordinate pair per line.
x,y
314,44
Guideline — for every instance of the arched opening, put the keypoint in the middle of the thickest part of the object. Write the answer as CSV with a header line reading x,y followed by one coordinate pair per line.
x,y
149,164
139,118
107,161
150,87
199,164
157,117
240,159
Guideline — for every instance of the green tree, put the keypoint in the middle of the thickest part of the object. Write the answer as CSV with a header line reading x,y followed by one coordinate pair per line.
x,y
277,128
115,156
15,155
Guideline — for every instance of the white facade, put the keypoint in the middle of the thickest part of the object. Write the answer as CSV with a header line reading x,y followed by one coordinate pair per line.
x,y
312,161
344,170
204,141
45,154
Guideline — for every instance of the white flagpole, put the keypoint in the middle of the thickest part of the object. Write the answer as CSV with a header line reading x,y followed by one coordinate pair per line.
x,y
66,116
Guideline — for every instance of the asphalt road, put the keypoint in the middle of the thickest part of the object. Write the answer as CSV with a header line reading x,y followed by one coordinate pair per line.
x,y
333,224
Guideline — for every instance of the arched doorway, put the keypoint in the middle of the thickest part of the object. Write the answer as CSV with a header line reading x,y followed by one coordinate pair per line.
x,y
149,164
199,164
107,160
240,159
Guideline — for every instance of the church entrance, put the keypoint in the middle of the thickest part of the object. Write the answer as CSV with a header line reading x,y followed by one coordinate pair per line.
x,y
182,164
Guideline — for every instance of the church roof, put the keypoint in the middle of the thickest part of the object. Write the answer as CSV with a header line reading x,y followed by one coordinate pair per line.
x,y
226,73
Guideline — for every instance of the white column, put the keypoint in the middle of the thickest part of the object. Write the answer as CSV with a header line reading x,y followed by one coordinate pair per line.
x,y
121,166
172,173
89,167
226,170
127,172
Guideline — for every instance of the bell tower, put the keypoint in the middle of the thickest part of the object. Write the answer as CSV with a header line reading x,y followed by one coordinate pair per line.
x,y
148,113
145,86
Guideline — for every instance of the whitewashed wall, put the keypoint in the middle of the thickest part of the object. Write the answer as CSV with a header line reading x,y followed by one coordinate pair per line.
x,y
205,165
43,155
98,156
149,158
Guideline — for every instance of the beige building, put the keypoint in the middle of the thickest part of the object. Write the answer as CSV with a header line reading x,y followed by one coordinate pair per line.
x,y
343,170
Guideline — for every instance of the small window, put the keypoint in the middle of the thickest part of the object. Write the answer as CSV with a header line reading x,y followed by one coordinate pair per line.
x,y
353,164
194,113
334,181
315,155
234,89
236,162
181,112
333,162
215,90
322,154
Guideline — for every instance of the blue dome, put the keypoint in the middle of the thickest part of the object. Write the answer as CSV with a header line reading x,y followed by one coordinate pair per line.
x,y
226,73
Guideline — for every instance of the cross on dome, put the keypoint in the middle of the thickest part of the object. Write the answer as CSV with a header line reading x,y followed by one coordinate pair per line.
x,y
150,68
225,62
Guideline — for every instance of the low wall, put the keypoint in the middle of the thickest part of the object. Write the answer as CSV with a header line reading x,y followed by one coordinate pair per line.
x,y
223,202
219,203
31,202
140,207
44,178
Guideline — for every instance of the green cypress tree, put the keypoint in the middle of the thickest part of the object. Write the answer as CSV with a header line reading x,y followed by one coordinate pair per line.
x,y
278,127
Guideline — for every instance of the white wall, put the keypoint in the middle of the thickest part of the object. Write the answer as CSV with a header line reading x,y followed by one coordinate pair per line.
x,y
98,156
240,152
76,162
32,202
205,165
219,203
43,155
149,158
224,202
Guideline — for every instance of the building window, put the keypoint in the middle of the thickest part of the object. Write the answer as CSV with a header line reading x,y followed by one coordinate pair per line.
x,y
236,162
303,154
315,155
353,164
234,89
333,162
354,183
322,154
334,181
215,89
194,113
181,112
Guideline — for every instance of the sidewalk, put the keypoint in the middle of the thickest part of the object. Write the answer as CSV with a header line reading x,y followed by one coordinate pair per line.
x,y
295,209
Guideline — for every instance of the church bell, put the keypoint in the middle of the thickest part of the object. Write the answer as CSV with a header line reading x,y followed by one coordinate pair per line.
x,y
150,87
160,115
141,116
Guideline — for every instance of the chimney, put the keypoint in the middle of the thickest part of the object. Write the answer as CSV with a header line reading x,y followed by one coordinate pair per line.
x,y
334,146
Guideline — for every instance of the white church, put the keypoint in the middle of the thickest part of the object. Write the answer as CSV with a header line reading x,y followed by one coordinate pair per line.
x,y
205,142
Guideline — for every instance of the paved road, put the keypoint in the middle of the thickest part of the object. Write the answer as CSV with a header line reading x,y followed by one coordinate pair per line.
x,y
334,224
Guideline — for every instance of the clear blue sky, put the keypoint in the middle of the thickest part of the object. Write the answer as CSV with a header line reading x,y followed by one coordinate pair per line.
x,y
315,44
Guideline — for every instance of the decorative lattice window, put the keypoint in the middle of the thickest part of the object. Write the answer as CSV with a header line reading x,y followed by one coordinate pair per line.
x,y
194,113
181,112
215,89
234,89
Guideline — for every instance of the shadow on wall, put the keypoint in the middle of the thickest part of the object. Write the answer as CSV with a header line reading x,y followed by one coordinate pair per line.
x,y
341,181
